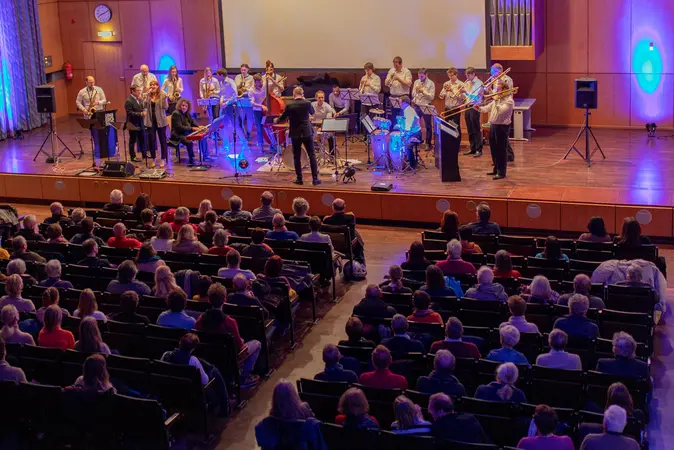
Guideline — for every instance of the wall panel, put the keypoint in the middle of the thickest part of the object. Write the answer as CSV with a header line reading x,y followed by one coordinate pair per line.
x,y
652,99
534,215
609,36
75,28
660,223
50,29
201,34
61,93
567,35
112,25
575,216
614,100
167,34
137,45
560,102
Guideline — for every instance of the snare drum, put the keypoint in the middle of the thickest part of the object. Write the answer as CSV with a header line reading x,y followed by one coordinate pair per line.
x,y
289,160
397,150
382,124
380,145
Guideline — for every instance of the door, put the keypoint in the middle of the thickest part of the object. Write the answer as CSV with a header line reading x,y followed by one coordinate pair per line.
x,y
109,74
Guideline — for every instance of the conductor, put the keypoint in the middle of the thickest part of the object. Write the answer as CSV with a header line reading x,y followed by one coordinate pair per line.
x,y
298,111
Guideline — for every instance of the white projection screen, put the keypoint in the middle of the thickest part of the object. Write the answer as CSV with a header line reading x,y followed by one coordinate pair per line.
x,y
345,34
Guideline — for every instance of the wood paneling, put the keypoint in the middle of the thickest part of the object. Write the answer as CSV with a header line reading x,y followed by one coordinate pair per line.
x,y
660,224
61,92
50,30
656,106
112,26
201,36
23,186
108,61
167,33
567,36
535,85
609,36
65,189
575,216
75,29
614,100
522,214
560,101
137,45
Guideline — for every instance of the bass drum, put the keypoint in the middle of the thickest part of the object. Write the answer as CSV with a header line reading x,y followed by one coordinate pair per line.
x,y
289,160
380,147
397,150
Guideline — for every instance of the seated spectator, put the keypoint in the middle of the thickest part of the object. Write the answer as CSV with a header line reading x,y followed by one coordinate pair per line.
x,y
90,338
448,424
618,394
510,337
90,248
175,316
220,246
279,231
553,250
88,306
576,324
372,305
233,269
518,309
596,231
300,208
450,224
625,362
235,212
163,241
148,260
558,358
503,389
20,247
630,235
50,297
409,418
272,273
503,266
10,332
58,217
95,377
466,236
7,372
334,372
55,234
635,276
483,225
18,266
395,285
382,377
215,320
416,259
545,419
146,222
422,312
78,215
29,229
187,241
486,288
615,419
87,228
210,223
117,203
126,280
315,235
181,218
454,343
143,202
13,290
204,206
188,343
582,286
454,265
119,239
257,247
53,270
128,304
353,411
340,217
265,211
242,296
52,335
401,342
205,282
164,283
441,378
540,291
436,286
354,332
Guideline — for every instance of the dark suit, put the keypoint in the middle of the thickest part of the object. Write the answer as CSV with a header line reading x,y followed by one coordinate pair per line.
x,y
402,344
134,115
459,427
181,126
623,367
301,132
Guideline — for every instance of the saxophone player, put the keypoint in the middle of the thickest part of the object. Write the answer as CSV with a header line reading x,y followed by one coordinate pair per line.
x,y
173,88
423,93
244,83
209,87
369,84
91,98
143,78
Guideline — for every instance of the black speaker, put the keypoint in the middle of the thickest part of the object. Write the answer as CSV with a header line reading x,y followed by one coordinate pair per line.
x,y
382,186
46,100
118,169
586,93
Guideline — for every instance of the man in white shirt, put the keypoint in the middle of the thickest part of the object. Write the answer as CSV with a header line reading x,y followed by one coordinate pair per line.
x,y
228,97
453,92
412,129
369,84
209,87
315,235
423,93
323,110
474,94
142,79
274,81
338,104
500,114
258,95
495,70
244,82
398,80
90,96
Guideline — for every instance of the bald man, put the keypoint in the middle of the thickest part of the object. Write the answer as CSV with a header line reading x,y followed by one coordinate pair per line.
x,y
90,96
143,78
299,111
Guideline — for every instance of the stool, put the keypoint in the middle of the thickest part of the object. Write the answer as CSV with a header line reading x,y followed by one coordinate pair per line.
x,y
176,145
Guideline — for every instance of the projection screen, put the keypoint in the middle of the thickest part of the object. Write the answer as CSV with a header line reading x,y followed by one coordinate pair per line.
x,y
344,34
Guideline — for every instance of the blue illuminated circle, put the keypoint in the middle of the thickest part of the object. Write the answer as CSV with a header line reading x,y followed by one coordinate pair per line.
x,y
647,65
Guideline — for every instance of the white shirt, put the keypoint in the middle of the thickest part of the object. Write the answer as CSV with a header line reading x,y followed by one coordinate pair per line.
x,y
427,93
474,90
342,106
257,97
450,89
247,82
209,86
86,96
375,84
228,92
277,91
170,87
411,120
500,111
395,86
143,81
324,111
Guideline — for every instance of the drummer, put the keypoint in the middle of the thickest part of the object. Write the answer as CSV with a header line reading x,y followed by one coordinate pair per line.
x,y
323,110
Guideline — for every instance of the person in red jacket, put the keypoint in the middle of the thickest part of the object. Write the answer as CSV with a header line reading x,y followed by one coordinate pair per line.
x,y
454,343
119,240
454,265
182,217
382,377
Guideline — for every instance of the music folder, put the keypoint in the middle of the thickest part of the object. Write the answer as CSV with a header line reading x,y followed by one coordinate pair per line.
x,y
335,125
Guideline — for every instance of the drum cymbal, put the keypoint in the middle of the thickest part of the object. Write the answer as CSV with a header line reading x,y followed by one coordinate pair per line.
x,y
377,111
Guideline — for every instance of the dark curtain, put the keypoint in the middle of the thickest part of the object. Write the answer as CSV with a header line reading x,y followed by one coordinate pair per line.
x,y
21,66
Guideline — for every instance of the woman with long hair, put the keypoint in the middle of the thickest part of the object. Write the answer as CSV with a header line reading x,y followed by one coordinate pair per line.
x,y
204,206
164,282
210,223
90,338
618,394
95,377
88,306
416,259
596,231
450,224
553,250
503,389
49,297
187,241
353,411
435,283
183,124
147,259
173,88
143,201
163,241
52,335
155,121
503,266
630,235
409,419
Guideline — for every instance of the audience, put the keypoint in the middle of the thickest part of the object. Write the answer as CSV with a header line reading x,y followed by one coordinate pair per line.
x,y
233,267
422,312
183,355
55,234
300,208
558,358
119,239
88,307
18,267
353,411
634,277
175,316
95,377
273,269
204,284
372,306
382,377
220,246
454,343
187,241
20,247
503,266
58,217
449,225
90,248
53,271
448,424
163,241
10,332
210,223
182,218
503,389
486,288
334,371
242,296
52,335
29,229
552,250
204,207
354,332
78,215
518,309
540,291
148,260
618,394
409,418
483,225
435,283
90,338
265,211
625,362
87,232
279,231
441,378
510,337
315,235
416,259
615,419
164,283
401,342
143,202
13,290
117,202
235,212
454,265
340,217
257,247
582,285
7,372
146,221
630,235
128,304
126,280
576,324
395,285
545,419
466,236
596,231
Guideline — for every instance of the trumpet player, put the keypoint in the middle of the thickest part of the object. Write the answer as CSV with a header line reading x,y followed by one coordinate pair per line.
x,y
156,103
143,78
423,93
398,80
275,82
369,84
228,96
500,117
474,94
90,98
173,88
244,82
453,92
209,88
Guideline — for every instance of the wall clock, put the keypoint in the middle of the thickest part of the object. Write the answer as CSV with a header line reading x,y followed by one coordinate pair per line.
x,y
102,13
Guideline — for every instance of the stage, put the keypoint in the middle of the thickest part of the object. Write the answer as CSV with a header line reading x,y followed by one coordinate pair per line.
x,y
542,190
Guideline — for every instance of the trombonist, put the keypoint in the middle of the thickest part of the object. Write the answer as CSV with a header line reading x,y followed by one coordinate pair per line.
x,y
173,88
423,93
369,84
500,111
497,71
453,92
91,98
474,94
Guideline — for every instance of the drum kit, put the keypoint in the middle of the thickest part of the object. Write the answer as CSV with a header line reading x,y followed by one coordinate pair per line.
x,y
284,158
388,147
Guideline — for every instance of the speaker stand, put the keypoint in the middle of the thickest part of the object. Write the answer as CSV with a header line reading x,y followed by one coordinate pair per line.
x,y
52,158
586,130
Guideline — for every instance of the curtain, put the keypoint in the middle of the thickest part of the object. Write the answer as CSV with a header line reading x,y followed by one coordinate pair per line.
x,y
21,66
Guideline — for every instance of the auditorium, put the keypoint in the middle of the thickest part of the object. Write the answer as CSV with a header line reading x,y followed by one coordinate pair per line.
x,y
428,225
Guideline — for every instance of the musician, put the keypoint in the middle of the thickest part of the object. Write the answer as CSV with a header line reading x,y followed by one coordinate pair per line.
x,y
135,115
209,87
173,87
474,90
453,92
183,124
340,106
298,111
156,104
244,82
228,97
423,93
369,84
258,95
90,96
495,71
398,80
322,111
143,78
500,117
274,81
411,129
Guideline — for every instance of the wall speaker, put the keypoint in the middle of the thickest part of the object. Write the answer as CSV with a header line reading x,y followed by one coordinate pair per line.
x,y
46,100
586,93
118,169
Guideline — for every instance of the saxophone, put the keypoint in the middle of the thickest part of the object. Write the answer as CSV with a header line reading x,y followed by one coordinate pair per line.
x,y
241,90
92,107
175,96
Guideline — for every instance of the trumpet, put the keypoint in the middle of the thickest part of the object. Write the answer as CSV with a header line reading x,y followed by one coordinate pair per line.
x,y
241,89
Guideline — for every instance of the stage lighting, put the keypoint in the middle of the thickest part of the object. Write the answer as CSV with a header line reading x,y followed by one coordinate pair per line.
x,y
651,128
243,164
349,174
651,46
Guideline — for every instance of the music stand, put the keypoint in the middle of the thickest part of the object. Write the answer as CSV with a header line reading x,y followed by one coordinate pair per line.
x,y
89,124
337,126
241,102
395,102
121,126
370,128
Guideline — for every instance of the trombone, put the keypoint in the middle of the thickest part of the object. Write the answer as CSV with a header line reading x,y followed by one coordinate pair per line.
x,y
487,98
491,80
